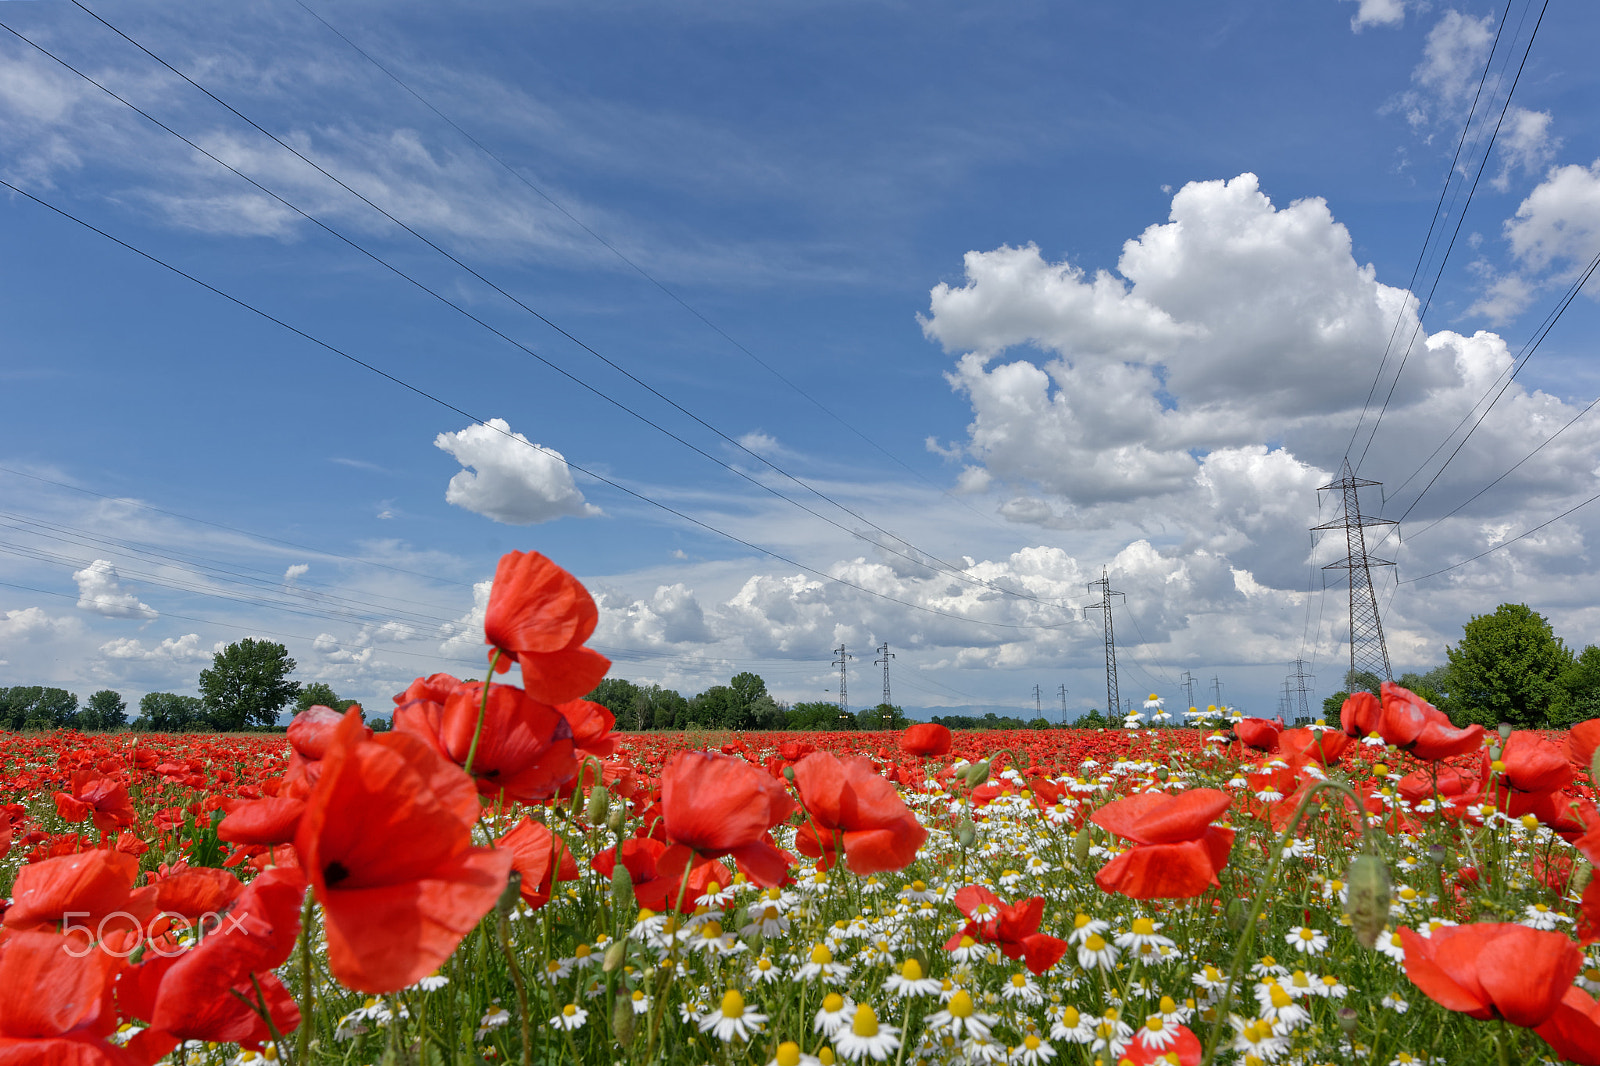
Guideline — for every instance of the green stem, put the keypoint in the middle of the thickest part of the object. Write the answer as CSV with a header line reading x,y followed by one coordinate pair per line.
x,y
308,999
504,929
483,711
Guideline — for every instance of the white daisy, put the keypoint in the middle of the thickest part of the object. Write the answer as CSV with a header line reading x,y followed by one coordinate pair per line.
x,y
735,1020
866,1038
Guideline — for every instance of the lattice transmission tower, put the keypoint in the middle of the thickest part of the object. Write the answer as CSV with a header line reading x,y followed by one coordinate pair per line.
x,y
884,655
1368,650
843,657
1113,702
1302,690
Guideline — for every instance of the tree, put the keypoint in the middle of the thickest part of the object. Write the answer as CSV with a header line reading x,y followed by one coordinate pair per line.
x,y
1363,681
167,712
248,685
1580,690
1039,723
104,711
883,716
1433,686
1333,705
318,694
1507,668
617,696
38,707
817,715
1091,720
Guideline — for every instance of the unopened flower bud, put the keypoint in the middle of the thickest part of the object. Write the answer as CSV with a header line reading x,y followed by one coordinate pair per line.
x,y
967,833
599,805
616,952
1080,846
1347,1020
508,899
617,817
622,1021
1367,898
1505,732
1582,872
788,774
1594,765
976,773
622,889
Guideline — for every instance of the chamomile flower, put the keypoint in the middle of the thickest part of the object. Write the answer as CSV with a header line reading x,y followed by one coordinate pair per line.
x,y
1083,927
866,1037
1073,1027
733,1020
1393,1001
789,1054
1306,940
820,964
715,896
908,981
572,1017
918,892
1095,953
640,1002
835,1014
961,1017
1032,1051
1021,989
1142,937
762,971
1111,1034
1539,916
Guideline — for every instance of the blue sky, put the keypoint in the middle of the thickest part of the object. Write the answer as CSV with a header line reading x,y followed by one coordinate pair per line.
x,y
1036,289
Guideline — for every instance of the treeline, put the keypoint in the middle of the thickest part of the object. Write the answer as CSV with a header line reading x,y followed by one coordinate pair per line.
x,y
38,707
743,703
1508,667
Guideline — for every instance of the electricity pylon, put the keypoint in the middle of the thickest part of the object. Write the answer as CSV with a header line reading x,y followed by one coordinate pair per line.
x,y
1367,647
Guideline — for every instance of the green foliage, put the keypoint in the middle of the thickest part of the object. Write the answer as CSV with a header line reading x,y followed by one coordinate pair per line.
x,y
883,716
989,721
1039,723
1332,706
1092,720
168,712
1362,681
1580,691
248,685
37,707
816,715
1507,668
319,694
105,711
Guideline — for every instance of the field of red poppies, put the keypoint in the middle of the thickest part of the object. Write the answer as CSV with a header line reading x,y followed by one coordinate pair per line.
x,y
504,878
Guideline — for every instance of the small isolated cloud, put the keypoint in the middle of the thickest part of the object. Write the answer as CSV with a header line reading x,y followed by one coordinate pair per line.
x,y
679,553
760,443
31,624
295,572
1525,144
100,590
1559,223
184,649
510,479
332,650
1378,13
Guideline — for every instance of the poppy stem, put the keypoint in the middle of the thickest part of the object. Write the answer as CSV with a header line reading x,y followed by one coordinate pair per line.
x,y
483,711
308,996
503,928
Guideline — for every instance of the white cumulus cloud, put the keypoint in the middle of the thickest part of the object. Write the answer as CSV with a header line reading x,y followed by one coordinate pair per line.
x,y
100,590
509,479
184,649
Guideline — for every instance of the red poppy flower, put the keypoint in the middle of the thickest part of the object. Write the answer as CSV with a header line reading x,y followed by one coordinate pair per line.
x,y
852,806
1013,927
657,873
1257,733
94,794
1178,851
57,1006
717,805
541,857
94,887
387,845
1183,1050
1413,724
525,747
1322,746
591,727
927,739
196,892
1534,764
1573,1030
1582,739
1360,713
540,615
267,821
1493,970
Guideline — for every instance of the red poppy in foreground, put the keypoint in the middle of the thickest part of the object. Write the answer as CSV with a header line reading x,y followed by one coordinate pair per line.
x,y
1169,1045
57,1008
89,890
852,806
1413,724
1493,970
1012,927
717,805
926,739
1257,733
541,857
540,615
387,844
1573,1029
1178,851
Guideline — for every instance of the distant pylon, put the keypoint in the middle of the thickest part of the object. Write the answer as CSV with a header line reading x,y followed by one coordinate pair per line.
x,y
1368,649
1188,687
1038,709
843,658
1113,702
1300,678
884,655
1063,691
1216,688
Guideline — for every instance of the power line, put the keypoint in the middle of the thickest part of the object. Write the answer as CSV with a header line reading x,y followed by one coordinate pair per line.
x,y
1504,543
944,566
641,271
1460,220
424,394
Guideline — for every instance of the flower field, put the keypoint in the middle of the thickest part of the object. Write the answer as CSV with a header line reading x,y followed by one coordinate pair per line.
x,y
503,878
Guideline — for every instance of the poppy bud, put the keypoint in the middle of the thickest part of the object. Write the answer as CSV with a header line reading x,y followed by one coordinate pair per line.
x,y
1594,765
788,774
1235,914
1582,872
1080,846
616,951
622,889
508,899
976,773
1505,732
599,805
1367,898
967,833
617,816
1347,1020
1161,773
622,1021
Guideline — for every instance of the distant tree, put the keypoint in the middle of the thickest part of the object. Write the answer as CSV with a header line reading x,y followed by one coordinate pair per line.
x,y
104,712
38,707
717,708
319,694
815,715
1362,681
1039,723
883,716
747,688
167,712
1580,690
1507,668
1092,720
248,684
766,713
1333,705
616,696
378,725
